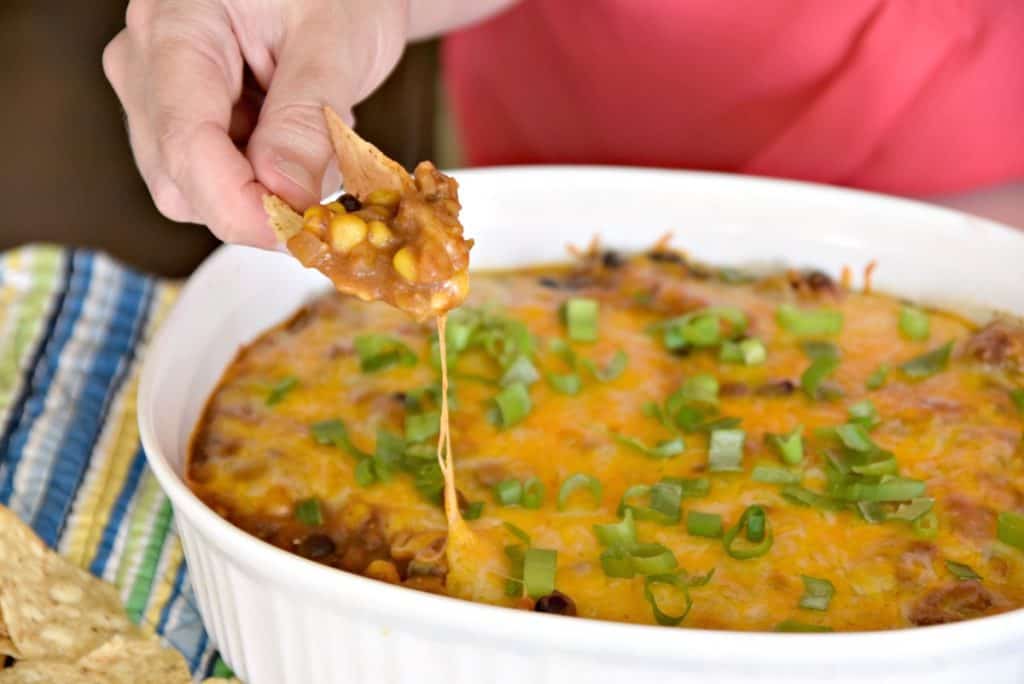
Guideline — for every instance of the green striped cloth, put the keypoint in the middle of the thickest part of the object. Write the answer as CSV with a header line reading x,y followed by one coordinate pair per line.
x,y
73,325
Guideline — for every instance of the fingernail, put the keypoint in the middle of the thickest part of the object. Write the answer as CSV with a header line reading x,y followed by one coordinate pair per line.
x,y
298,175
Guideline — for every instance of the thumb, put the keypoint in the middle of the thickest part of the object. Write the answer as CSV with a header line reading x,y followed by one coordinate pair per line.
x,y
336,58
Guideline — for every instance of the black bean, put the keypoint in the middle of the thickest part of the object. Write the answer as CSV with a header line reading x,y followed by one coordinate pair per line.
x,y
665,257
776,388
557,603
550,283
350,202
612,259
316,546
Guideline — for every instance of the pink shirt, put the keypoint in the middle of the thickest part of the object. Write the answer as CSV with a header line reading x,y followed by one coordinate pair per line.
x,y
914,97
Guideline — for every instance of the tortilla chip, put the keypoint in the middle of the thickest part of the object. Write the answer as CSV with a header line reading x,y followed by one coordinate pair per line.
x,y
6,645
52,609
363,167
137,661
284,221
49,672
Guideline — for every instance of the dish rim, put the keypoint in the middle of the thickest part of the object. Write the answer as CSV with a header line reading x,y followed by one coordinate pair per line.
x,y
486,622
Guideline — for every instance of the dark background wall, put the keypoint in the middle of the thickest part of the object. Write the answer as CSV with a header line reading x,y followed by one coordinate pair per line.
x,y
66,171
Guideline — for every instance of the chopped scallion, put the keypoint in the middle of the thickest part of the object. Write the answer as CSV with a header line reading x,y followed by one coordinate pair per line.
x,y
1010,529
749,352
878,377
334,432
770,474
579,481
1017,397
805,497
308,512
281,389
568,383
691,487
962,571
622,533
539,568
652,559
663,449
790,446
811,380
927,526
421,426
616,562
364,474
815,349
509,492
377,352
580,316
701,524
929,363
807,322
473,510
888,488
855,437
678,583
726,450
522,370
518,532
864,413
533,493
616,367
817,593
513,404
914,323
754,523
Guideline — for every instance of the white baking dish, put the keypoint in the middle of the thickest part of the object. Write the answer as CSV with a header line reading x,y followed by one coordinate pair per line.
x,y
278,618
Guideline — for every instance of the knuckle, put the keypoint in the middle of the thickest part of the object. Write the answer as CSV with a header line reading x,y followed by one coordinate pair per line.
x,y
139,15
169,200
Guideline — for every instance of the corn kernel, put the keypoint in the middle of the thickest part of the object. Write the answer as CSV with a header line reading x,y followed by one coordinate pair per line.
x,y
336,208
380,234
405,263
384,198
315,219
383,570
347,231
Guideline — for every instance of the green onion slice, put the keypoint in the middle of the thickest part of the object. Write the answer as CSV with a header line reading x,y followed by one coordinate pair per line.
x,y
1010,529
365,473
377,352
754,523
797,626
665,498
808,322
652,559
856,438
878,377
579,481
539,568
473,510
877,512
770,474
864,413
1017,397
622,533
533,493
726,450
887,488
281,389
615,368
513,404
749,352
927,526
962,571
805,497
790,446
663,449
815,375
678,583
816,349
422,426
691,487
929,363
568,383
701,524
509,492
616,562
580,317
700,391
817,593
521,370
517,532
308,512
914,323
333,432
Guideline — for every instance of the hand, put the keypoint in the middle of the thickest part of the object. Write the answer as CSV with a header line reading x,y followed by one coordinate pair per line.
x,y
224,99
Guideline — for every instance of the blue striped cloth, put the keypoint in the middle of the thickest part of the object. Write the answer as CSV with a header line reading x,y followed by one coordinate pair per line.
x,y
73,326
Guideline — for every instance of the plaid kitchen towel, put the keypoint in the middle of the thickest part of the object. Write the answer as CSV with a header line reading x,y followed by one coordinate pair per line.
x,y
73,326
